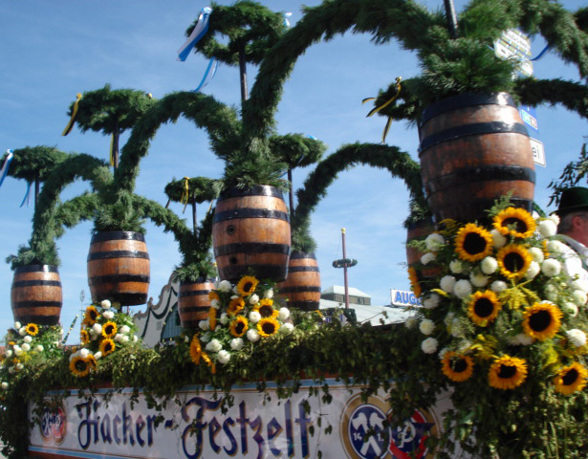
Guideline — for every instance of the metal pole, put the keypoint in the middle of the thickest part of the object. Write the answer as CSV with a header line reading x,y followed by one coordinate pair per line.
x,y
291,194
243,72
345,270
451,17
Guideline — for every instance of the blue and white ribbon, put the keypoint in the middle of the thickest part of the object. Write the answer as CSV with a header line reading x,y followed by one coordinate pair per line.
x,y
286,16
199,31
541,54
27,197
7,161
208,75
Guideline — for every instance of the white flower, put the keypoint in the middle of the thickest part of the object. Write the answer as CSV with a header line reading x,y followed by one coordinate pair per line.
x,y
464,346
254,299
534,269
9,353
570,308
108,315
410,322
98,355
447,283
429,346
550,292
489,265
284,314
224,318
125,339
27,339
462,288
579,284
428,257
479,280
214,303
125,329
22,331
97,328
19,366
214,345
254,317
17,350
521,339
434,242
235,290
537,254
224,356
555,247
84,353
4,385
498,239
576,337
269,293
206,337
118,338
432,301
204,324
135,338
224,286
427,326
579,297
40,348
105,304
17,325
554,218
442,353
252,335
26,347
547,228
236,344
456,266
551,267
286,328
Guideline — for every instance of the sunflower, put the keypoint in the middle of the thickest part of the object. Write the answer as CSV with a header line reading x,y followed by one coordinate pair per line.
x,y
91,315
268,327
80,366
236,305
109,329
507,372
84,337
484,307
515,222
570,379
212,318
107,346
473,243
542,320
209,362
513,261
213,295
32,329
457,367
266,308
239,326
195,350
414,282
247,285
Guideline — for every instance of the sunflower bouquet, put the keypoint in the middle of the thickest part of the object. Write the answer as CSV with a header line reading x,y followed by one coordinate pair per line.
x,y
500,308
241,316
105,328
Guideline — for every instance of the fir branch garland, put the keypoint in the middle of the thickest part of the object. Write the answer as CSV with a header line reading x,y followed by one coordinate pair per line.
x,y
35,163
200,189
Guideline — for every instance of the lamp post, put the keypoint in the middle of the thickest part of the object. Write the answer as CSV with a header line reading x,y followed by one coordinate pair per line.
x,y
345,263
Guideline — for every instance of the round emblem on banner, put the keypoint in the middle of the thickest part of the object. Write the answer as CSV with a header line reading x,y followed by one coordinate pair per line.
x,y
53,424
408,440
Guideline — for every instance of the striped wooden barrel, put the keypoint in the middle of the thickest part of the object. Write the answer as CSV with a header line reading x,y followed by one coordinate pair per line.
x,y
118,267
193,302
302,287
251,231
475,149
36,295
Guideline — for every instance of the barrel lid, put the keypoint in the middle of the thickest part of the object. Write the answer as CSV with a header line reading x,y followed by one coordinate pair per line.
x,y
102,236
36,268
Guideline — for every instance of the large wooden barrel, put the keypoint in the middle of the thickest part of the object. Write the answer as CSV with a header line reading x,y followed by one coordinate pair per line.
x,y
302,287
36,295
118,267
251,231
193,301
473,150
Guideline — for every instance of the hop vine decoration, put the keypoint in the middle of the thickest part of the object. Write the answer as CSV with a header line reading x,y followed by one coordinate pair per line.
x,y
504,309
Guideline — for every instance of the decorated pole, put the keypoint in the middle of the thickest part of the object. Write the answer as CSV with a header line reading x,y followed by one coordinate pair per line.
x,y
345,263
451,17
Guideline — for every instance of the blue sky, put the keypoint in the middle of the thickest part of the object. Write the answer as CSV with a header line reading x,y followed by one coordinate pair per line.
x,y
53,50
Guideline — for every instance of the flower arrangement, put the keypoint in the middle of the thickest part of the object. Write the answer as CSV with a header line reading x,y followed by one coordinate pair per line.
x,y
240,316
502,307
105,328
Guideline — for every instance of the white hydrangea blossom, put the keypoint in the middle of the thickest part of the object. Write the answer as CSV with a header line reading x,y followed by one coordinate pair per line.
x,y
547,228
432,301
236,344
427,326
286,328
570,308
498,286
489,265
254,299
447,283
224,357
284,314
498,239
536,254
479,280
252,335
224,286
428,258
551,267
105,304
434,242
576,337
462,288
214,345
456,266
429,346
254,317
533,271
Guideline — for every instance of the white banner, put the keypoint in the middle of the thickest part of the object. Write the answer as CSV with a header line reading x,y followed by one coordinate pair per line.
x,y
193,426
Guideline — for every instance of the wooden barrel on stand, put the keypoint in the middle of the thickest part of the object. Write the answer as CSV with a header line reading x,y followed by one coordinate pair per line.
x,y
36,295
193,301
302,287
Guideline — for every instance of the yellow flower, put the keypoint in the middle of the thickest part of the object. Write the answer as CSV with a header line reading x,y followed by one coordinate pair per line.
x,y
473,243
266,308
32,329
91,316
570,379
414,282
109,330
513,261
457,367
213,295
209,362
268,327
107,346
195,350
84,337
247,285
236,305
507,372
239,326
515,222
484,307
542,320
212,318
81,367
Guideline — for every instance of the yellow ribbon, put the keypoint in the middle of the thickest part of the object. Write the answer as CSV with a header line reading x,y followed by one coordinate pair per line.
x,y
72,120
112,150
186,193
384,105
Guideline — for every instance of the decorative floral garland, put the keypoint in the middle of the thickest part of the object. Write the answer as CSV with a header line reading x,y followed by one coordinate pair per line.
x,y
500,302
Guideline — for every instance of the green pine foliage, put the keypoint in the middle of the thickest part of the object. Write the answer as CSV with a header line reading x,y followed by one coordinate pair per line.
x,y
35,163
200,189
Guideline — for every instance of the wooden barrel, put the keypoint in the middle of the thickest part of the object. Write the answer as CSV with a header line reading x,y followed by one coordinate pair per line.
x,y
251,231
118,267
36,295
302,287
193,302
473,150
